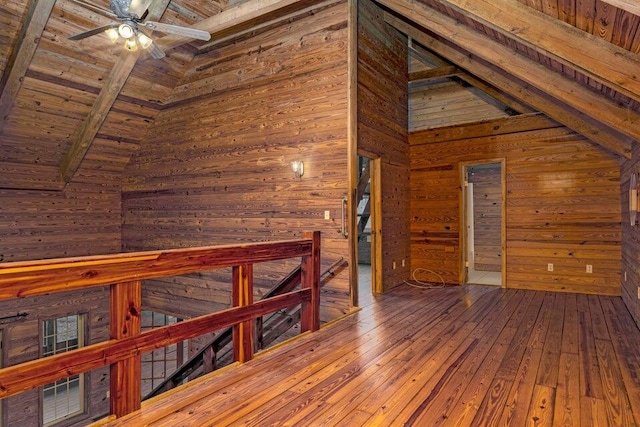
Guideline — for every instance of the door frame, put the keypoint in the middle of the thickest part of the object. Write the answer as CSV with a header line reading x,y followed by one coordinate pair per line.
x,y
464,204
375,194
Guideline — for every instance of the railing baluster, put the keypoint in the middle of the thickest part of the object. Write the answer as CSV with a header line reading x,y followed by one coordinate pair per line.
x,y
243,296
125,375
310,313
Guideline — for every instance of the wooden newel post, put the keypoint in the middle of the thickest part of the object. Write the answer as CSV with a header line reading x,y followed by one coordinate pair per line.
x,y
310,316
243,296
125,375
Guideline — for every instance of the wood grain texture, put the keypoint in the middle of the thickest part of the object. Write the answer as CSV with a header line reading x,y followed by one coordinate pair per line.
x,y
559,210
382,130
218,167
630,243
419,357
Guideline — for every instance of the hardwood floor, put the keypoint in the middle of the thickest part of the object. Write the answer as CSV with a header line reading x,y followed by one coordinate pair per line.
x,y
463,356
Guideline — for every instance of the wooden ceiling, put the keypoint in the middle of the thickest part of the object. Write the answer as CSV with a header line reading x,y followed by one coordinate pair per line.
x,y
73,111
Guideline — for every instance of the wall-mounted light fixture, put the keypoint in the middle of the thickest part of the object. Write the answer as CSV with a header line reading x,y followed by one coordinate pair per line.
x,y
298,168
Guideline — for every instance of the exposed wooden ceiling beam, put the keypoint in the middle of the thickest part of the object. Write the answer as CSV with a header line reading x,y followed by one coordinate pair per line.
x,y
603,61
434,73
27,42
249,13
631,6
219,37
480,85
110,90
569,117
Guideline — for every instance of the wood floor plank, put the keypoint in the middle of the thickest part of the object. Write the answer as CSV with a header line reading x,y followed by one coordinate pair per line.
x,y
615,398
624,338
459,356
567,403
570,335
548,370
541,409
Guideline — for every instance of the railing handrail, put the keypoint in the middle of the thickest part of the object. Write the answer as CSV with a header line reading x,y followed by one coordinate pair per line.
x,y
124,272
29,278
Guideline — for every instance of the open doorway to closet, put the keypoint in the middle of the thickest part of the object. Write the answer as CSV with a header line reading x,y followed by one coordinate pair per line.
x,y
368,228
483,223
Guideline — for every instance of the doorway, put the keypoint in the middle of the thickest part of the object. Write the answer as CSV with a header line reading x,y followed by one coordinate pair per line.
x,y
368,228
483,223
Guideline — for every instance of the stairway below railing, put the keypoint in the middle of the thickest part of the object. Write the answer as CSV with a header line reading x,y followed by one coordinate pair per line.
x,y
267,331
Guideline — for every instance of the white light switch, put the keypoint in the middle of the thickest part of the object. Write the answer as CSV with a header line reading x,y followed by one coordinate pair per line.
x,y
327,215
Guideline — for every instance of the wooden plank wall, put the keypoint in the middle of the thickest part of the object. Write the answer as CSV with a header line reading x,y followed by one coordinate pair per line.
x,y
216,167
82,220
563,203
382,130
487,203
446,102
23,343
630,240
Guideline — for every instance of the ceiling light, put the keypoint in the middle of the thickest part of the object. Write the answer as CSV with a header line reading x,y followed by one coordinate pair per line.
x,y
144,41
113,34
131,45
126,31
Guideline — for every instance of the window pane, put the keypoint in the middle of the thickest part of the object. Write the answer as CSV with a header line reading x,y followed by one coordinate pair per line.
x,y
64,397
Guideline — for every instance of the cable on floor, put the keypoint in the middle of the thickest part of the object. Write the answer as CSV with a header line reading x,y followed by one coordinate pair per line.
x,y
425,285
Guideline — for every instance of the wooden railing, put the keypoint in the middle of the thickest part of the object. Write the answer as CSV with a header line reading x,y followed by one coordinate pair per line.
x,y
124,273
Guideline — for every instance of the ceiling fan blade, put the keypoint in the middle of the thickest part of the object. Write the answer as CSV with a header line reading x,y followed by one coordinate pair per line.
x,y
175,29
93,32
156,52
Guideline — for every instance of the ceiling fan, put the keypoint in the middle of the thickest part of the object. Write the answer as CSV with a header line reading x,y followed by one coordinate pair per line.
x,y
132,14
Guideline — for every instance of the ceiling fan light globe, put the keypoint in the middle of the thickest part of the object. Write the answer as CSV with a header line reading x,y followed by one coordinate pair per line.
x,y
144,40
126,31
113,35
131,45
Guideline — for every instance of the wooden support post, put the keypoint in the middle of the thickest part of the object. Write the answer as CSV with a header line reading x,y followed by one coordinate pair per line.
x,y
126,303
243,296
310,316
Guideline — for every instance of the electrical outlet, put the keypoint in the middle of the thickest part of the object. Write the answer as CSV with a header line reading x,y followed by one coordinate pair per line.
x,y
394,265
549,267
403,262
327,215
589,268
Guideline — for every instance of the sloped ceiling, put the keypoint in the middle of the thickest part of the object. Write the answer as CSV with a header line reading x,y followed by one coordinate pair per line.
x,y
69,108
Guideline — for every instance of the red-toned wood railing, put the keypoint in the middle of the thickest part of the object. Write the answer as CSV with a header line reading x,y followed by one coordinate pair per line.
x,y
124,272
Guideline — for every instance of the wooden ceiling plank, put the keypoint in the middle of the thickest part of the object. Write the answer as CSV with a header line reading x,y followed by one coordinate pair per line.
x,y
110,90
574,120
234,17
569,92
34,23
631,6
603,61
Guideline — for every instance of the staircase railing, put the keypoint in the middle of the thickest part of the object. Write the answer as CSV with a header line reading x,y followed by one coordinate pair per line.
x,y
205,360
124,274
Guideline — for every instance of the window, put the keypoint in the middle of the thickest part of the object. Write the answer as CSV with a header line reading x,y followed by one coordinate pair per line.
x,y
63,398
161,363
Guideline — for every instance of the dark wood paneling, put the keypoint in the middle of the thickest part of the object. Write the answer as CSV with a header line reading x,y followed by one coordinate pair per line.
x,y
630,283
382,130
217,167
563,207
